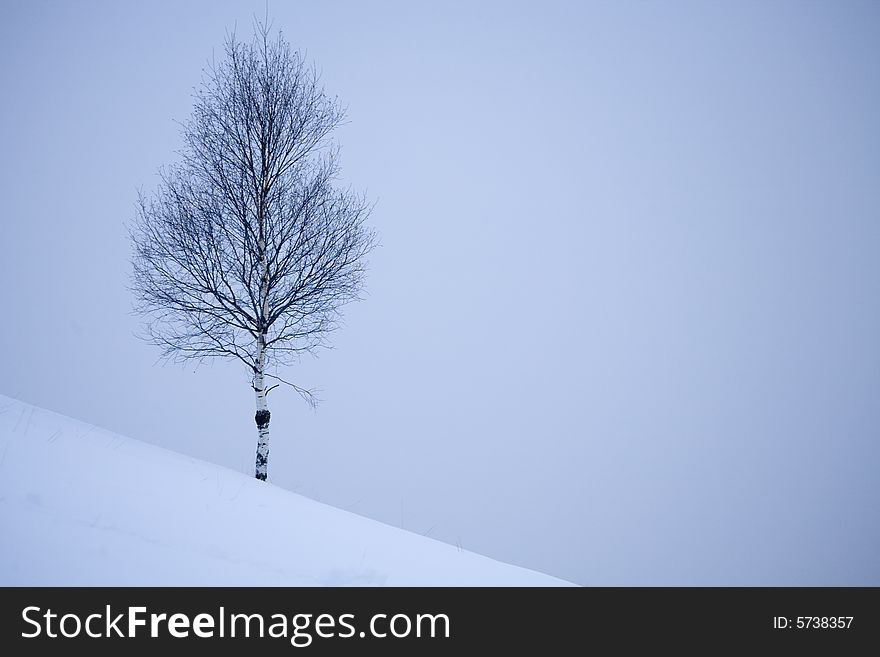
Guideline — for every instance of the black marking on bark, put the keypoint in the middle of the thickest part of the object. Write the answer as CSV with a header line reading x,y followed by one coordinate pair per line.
x,y
261,469
262,419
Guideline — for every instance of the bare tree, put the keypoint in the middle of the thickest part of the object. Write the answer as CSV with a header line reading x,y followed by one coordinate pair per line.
x,y
248,249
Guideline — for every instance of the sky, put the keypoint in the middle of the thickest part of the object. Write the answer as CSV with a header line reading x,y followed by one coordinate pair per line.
x,y
622,324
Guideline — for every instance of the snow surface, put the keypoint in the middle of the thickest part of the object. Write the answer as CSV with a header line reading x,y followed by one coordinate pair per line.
x,y
83,506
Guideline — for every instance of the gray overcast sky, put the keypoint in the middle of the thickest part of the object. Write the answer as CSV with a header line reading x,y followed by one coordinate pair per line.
x,y
623,325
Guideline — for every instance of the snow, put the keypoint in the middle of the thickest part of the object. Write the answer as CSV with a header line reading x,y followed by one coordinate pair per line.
x,y
83,506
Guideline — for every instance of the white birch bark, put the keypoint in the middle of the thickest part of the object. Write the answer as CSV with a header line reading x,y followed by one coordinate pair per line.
x,y
262,415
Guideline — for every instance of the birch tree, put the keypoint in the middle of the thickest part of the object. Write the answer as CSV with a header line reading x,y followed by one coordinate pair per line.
x,y
249,248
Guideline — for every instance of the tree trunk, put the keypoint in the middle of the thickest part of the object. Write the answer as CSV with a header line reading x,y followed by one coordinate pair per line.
x,y
262,415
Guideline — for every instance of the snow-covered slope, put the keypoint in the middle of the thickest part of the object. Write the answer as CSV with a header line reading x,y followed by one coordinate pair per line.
x,y
83,506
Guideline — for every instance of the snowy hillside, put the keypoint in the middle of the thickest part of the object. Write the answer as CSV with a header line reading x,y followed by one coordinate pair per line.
x,y
83,506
